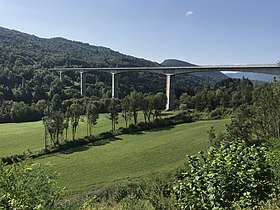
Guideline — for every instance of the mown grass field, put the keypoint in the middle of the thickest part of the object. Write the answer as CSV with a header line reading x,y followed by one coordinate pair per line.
x,y
130,156
106,162
16,138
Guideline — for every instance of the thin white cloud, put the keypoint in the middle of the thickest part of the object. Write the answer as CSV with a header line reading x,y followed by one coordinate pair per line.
x,y
189,13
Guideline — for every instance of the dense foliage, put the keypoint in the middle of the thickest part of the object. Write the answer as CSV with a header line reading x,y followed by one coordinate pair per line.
x,y
229,176
27,186
229,93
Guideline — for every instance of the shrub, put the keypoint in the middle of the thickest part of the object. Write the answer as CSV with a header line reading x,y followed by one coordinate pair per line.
x,y
106,135
231,175
21,112
26,186
216,113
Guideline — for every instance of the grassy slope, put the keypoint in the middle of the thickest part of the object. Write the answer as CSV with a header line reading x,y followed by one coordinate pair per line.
x,y
131,156
16,138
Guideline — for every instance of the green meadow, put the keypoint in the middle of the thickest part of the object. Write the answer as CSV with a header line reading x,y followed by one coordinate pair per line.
x,y
130,156
16,138
106,162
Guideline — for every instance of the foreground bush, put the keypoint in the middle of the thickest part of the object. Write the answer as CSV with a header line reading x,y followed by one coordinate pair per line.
x,y
229,176
26,186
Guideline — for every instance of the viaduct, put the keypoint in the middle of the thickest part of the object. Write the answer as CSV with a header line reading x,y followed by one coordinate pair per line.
x,y
170,73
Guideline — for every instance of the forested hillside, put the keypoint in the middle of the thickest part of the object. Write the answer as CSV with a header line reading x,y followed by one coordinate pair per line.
x,y
20,49
21,55
24,75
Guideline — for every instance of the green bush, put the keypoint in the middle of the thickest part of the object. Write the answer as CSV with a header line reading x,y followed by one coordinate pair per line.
x,y
216,113
26,186
105,135
229,176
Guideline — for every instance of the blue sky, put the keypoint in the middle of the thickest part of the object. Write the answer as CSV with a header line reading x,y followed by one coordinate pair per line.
x,y
197,31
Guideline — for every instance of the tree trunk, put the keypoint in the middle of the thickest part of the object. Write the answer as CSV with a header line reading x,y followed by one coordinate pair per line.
x,y
135,117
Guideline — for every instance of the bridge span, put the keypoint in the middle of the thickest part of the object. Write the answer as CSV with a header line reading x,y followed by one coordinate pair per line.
x,y
170,73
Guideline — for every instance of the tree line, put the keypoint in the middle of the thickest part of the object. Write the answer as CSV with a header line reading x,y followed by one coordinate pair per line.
x,y
229,93
61,116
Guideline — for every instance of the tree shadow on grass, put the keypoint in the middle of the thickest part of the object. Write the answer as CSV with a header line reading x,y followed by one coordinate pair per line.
x,y
169,127
164,128
138,133
105,141
85,145
75,149
90,144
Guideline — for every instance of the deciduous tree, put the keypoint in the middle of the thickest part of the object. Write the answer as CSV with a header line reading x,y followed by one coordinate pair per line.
x,y
75,118
91,115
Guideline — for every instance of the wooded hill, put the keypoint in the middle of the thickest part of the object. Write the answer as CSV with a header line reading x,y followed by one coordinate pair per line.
x,y
21,54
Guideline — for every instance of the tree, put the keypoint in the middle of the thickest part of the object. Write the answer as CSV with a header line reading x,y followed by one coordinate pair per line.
x,y
66,121
91,115
53,122
56,88
41,106
56,103
75,118
147,106
5,111
126,113
242,124
186,101
159,103
21,112
267,106
201,100
135,100
113,112
39,94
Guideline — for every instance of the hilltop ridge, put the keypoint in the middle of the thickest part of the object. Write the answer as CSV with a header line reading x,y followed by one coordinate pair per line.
x,y
21,49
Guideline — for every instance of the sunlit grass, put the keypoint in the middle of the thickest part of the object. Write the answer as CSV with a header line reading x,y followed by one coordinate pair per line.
x,y
16,138
131,156
106,162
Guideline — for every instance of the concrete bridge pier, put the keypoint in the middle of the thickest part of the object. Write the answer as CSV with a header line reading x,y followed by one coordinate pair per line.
x,y
61,76
83,83
170,91
115,85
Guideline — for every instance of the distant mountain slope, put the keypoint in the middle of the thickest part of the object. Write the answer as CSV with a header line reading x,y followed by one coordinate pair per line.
x,y
201,78
176,63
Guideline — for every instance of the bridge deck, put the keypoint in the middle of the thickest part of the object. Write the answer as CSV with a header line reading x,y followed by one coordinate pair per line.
x,y
273,69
